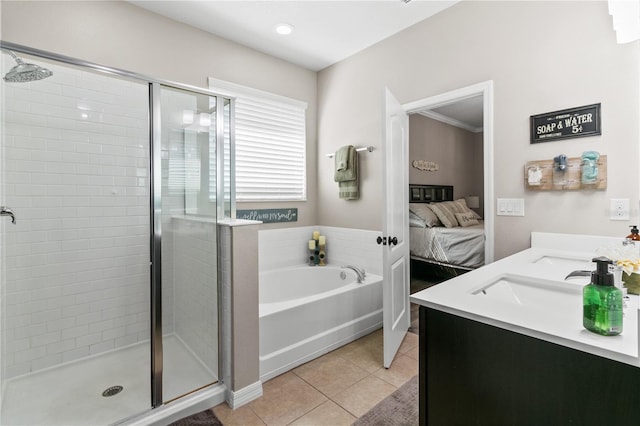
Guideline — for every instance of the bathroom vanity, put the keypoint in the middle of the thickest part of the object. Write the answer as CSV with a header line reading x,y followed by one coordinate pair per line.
x,y
504,344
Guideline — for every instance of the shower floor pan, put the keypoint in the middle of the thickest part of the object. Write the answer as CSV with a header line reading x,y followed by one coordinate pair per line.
x,y
72,394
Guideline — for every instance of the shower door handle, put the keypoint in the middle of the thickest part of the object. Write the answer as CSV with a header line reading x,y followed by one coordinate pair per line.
x,y
5,211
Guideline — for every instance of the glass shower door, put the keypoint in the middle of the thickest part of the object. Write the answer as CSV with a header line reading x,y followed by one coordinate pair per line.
x,y
188,128
75,264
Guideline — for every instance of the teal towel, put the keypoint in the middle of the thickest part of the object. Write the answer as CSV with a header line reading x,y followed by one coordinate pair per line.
x,y
345,157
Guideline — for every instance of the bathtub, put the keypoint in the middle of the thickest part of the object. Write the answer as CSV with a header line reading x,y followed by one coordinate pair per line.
x,y
307,311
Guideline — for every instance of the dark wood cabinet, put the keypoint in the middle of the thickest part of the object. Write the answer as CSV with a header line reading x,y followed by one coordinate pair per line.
x,y
476,374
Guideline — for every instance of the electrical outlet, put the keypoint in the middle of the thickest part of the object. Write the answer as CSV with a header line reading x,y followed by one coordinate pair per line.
x,y
619,209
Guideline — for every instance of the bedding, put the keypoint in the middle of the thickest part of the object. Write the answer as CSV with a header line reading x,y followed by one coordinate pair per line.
x,y
455,246
442,230
416,221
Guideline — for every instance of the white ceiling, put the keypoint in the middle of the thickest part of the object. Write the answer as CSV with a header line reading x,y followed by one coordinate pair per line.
x,y
325,32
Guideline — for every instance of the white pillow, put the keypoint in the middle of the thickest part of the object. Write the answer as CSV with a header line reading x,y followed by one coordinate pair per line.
x,y
416,221
425,213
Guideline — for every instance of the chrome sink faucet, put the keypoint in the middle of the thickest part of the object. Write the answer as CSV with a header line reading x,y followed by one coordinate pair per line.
x,y
359,272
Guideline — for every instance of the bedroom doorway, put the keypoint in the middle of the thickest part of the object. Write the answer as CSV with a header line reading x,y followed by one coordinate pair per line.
x,y
477,96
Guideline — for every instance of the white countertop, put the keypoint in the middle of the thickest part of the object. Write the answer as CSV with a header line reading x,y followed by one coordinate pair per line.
x,y
556,318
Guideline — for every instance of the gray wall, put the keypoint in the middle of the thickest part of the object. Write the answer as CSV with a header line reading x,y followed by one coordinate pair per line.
x,y
457,152
120,35
542,56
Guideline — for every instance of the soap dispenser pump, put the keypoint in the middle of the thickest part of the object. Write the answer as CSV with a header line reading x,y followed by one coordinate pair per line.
x,y
635,234
602,301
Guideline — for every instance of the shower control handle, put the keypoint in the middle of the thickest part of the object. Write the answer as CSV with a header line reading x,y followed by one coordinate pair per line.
x,y
5,211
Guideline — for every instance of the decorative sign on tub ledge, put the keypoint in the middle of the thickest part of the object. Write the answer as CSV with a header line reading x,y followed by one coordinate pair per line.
x,y
269,215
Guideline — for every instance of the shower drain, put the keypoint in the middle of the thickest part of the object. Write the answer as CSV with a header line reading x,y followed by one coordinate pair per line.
x,y
113,390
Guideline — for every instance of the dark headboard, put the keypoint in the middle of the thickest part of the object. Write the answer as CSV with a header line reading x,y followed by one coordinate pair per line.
x,y
430,193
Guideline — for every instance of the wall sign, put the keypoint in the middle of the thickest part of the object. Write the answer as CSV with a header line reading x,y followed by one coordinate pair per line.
x,y
567,123
427,166
269,215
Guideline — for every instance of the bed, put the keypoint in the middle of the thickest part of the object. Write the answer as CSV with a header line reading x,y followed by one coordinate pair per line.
x,y
444,231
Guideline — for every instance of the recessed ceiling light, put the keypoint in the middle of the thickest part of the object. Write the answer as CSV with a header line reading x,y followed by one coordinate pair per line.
x,y
284,29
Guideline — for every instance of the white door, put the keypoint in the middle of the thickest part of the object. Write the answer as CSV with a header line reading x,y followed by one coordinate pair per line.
x,y
397,311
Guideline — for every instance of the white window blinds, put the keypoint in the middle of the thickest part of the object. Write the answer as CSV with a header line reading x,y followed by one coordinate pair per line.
x,y
270,140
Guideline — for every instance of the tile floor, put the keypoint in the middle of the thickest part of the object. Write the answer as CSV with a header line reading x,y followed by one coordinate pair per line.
x,y
334,389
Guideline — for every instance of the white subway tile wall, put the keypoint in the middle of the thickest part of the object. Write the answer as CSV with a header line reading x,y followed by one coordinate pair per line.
x,y
189,251
77,260
280,248
195,288
172,201
354,247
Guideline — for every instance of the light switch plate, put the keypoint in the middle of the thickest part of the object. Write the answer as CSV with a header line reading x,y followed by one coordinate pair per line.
x,y
510,207
619,209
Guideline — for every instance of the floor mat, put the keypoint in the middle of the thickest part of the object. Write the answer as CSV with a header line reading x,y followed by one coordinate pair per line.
x,y
203,418
398,409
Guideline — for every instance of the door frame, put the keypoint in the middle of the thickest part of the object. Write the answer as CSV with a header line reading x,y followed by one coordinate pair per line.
x,y
485,89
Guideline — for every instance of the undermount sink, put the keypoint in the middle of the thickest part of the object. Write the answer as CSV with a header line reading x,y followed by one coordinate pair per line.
x,y
530,292
570,264
577,270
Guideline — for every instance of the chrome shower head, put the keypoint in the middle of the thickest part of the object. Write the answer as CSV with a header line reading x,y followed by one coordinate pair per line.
x,y
24,72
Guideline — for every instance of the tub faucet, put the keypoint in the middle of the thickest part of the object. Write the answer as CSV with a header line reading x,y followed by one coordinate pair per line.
x,y
359,272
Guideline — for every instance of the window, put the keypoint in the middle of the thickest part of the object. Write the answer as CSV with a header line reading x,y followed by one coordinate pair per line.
x,y
270,141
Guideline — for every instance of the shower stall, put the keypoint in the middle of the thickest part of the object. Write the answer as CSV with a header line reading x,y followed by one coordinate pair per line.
x,y
110,189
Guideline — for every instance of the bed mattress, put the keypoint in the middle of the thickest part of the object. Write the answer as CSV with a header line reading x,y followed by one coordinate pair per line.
x,y
459,246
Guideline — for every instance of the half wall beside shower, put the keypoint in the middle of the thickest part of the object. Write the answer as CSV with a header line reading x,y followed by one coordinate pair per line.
x,y
109,275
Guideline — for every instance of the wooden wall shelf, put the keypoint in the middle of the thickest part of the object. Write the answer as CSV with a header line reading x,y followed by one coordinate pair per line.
x,y
572,175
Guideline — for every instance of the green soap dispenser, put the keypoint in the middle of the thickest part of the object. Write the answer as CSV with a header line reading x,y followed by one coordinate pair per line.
x,y
602,301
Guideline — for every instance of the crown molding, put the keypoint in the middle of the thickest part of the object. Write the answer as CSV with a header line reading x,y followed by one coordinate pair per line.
x,y
451,121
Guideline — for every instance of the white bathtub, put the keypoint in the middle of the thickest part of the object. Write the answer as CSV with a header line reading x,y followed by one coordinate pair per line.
x,y
307,311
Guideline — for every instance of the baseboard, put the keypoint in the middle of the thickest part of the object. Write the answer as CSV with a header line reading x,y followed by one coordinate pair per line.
x,y
238,398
